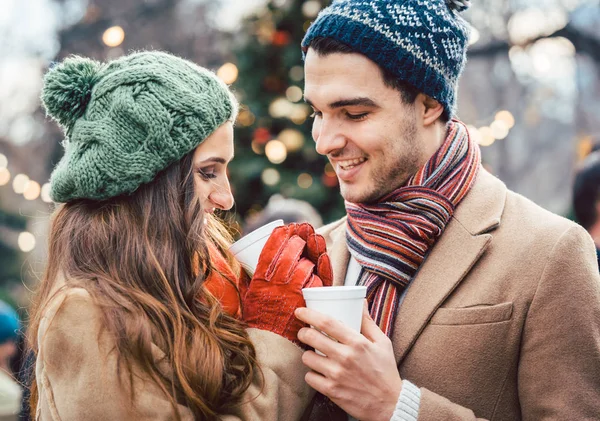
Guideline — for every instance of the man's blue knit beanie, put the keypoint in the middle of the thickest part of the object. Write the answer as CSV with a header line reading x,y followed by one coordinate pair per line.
x,y
422,42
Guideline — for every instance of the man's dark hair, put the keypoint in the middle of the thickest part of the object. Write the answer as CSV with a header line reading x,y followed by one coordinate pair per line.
x,y
324,46
586,191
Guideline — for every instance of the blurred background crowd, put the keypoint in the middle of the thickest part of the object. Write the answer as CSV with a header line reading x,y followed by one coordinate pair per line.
x,y
530,95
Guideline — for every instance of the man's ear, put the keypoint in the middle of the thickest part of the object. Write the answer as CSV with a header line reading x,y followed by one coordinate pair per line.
x,y
431,109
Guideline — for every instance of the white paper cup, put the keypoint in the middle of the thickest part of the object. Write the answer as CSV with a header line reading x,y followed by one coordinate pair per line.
x,y
247,249
344,303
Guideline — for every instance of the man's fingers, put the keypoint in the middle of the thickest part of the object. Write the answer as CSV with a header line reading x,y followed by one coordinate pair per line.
x,y
316,362
318,382
369,328
326,324
317,340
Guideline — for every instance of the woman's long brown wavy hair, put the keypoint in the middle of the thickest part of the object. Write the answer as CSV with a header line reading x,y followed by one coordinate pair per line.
x,y
138,257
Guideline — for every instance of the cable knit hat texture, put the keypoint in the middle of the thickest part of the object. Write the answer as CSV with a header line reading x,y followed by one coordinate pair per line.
x,y
422,42
128,119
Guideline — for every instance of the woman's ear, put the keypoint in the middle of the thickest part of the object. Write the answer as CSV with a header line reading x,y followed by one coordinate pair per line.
x,y
431,109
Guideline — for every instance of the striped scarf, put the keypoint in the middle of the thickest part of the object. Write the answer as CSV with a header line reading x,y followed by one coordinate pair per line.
x,y
391,238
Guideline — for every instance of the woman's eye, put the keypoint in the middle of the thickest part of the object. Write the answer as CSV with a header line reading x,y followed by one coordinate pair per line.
x,y
315,114
207,174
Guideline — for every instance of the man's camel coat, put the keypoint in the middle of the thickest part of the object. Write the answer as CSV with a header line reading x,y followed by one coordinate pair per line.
x,y
502,321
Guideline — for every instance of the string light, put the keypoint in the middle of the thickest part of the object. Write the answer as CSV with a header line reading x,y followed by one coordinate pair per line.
x,y
329,171
276,151
46,193
506,117
32,190
246,118
499,129
257,147
19,183
487,136
4,176
311,8
3,161
300,113
474,36
26,241
113,36
297,73
292,139
293,93
228,73
305,180
270,176
280,108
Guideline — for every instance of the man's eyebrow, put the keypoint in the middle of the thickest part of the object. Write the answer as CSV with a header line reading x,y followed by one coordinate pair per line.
x,y
361,101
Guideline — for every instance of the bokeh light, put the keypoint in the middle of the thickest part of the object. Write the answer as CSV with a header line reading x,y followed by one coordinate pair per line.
x,y
228,73
487,136
499,129
32,190
19,183
292,139
270,176
26,241
276,151
46,193
305,180
113,36
293,93
297,73
4,176
506,117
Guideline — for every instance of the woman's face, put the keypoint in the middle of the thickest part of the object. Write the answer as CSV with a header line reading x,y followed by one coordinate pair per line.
x,y
210,168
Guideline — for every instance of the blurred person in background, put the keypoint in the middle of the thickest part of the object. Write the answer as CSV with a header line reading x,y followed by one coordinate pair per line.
x,y
289,210
10,390
482,304
586,196
138,313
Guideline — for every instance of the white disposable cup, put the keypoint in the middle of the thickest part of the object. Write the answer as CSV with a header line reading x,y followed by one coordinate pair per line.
x,y
247,249
344,303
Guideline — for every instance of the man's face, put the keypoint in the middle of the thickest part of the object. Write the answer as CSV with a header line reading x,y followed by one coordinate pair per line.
x,y
369,134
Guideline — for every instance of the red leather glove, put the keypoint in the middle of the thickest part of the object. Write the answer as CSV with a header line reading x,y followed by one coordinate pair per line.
x,y
293,258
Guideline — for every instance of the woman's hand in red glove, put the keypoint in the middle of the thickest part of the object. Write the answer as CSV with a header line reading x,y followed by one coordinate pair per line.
x,y
293,258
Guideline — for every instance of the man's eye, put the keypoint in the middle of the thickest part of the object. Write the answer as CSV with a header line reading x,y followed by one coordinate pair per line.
x,y
357,116
207,174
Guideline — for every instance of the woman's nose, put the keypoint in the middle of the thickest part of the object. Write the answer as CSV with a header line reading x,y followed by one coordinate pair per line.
x,y
222,197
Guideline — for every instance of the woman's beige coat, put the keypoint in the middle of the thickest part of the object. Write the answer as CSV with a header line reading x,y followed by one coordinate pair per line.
x,y
77,373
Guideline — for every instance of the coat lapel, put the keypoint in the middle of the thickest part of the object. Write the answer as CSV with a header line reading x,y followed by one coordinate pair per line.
x,y
463,242
335,236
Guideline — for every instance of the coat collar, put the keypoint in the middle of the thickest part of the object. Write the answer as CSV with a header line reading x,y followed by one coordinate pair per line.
x,y
464,240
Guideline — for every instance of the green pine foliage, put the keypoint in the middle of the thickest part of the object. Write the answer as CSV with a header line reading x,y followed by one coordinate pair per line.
x,y
269,60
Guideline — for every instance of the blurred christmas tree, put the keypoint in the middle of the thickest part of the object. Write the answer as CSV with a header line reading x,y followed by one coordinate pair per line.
x,y
274,148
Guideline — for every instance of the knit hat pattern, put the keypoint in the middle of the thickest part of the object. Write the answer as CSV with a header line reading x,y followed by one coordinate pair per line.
x,y
129,119
422,42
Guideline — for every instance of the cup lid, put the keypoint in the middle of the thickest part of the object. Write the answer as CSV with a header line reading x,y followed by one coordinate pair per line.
x,y
334,293
254,236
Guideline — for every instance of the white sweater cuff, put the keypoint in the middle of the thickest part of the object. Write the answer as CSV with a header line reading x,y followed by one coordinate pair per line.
x,y
409,401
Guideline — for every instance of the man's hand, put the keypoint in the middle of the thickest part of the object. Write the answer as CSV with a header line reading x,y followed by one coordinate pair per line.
x,y
359,372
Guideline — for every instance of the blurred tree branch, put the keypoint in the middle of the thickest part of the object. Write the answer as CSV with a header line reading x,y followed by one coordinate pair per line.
x,y
583,43
84,29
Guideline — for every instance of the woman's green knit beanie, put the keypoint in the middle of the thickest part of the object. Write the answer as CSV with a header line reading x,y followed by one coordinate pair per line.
x,y
128,119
